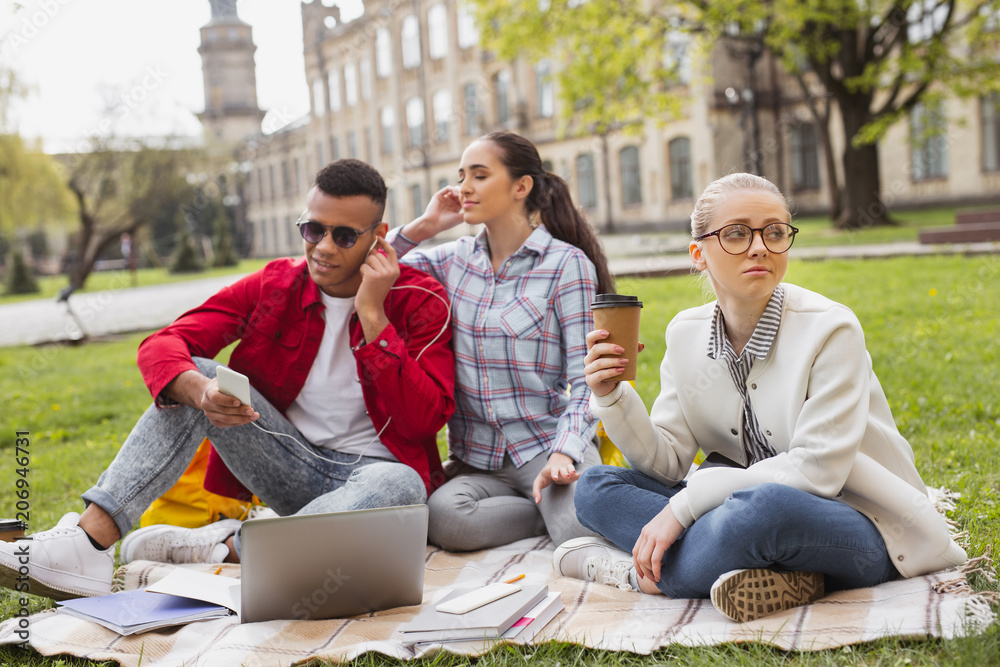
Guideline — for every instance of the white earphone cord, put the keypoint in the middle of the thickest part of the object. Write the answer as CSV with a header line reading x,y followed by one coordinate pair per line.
x,y
309,450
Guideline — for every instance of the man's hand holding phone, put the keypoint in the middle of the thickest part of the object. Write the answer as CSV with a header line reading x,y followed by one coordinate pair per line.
x,y
226,399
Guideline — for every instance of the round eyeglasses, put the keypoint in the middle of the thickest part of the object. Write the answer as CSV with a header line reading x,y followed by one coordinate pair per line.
x,y
736,239
343,236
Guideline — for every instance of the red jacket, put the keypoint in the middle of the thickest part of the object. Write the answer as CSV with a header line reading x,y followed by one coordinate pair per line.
x,y
276,314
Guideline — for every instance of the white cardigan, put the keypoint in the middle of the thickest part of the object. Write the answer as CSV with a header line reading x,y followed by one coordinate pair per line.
x,y
821,408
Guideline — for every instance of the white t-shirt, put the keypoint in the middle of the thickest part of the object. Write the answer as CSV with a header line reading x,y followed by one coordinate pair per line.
x,y
330,409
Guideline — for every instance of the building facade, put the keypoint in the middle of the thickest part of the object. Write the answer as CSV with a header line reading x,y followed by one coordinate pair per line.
x,y
407,86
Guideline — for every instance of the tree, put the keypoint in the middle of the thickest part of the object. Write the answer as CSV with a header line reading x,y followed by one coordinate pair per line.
x,y
876,59
31,188
118,190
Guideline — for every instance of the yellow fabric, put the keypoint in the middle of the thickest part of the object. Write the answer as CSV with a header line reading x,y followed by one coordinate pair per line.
x,y
188,504
612,456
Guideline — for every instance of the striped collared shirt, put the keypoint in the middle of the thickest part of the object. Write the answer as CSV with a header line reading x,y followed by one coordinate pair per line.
x,y
520,338
755,445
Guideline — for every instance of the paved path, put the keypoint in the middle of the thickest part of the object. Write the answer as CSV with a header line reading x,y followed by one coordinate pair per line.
x,y
147,308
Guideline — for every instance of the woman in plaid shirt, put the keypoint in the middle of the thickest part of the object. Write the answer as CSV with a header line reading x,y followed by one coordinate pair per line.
x,y
521,291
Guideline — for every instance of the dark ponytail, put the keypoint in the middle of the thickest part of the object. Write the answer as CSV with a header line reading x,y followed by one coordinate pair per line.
x,y
550,199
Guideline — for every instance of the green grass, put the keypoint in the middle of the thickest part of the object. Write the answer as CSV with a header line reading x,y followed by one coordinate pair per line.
x,y
932,329
818,231
108,280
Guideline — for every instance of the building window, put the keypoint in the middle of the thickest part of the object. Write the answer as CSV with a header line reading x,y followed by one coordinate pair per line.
x,y
415,121
417,198
365,69
383,53
544,91
388,120
677,55
631,176
290,232
437,31
442,115
805,158
319,98
470,106
390,205
334,148
991,132
586,181
679,151
368,144
297,172
501,89
925,19
468,32
411,42
928,149
350,84
352,144
443,183
319,155
286,179
334,82
272,183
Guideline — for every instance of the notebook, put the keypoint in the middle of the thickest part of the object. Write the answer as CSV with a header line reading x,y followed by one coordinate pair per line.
x,y
487,622
522,632
318,566
136,611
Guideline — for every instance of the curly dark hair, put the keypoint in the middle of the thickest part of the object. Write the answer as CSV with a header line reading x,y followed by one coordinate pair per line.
x,y
350,178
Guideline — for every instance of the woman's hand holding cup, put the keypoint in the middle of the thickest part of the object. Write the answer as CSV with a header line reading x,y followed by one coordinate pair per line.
x,y
603,364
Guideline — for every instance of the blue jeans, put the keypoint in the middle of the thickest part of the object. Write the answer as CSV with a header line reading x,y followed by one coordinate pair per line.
x,y
282,473
768,525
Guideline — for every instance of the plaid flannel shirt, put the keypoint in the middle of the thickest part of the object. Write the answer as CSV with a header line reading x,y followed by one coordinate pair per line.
x,y
520,339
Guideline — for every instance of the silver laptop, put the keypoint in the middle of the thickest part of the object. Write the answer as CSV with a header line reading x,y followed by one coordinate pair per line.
x,y
317,566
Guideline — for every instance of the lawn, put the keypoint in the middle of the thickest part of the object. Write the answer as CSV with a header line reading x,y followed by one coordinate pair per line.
x,y
932,328
99,281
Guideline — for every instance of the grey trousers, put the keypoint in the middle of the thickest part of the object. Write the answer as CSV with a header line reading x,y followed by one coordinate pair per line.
x,y
480,509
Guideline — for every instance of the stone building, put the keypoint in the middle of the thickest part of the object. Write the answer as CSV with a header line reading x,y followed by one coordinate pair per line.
x,y
407,86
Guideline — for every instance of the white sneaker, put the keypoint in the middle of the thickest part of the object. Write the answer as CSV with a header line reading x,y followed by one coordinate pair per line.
x,y
59,563
593,559
744,595
173,544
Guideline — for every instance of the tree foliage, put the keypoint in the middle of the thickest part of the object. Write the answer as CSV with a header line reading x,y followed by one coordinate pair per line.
x,y
31,187
612,72
876,59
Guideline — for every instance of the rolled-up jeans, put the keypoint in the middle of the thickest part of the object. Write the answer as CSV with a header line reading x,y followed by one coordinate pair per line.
x,y
762,526
290,477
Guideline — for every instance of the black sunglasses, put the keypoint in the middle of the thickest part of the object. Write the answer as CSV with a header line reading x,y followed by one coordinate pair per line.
x,y
345,237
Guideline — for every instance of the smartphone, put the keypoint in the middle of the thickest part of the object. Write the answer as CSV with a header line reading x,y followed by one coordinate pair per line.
x,y
234,384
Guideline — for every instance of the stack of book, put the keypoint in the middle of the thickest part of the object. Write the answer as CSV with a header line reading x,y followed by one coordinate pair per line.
x,y
517,617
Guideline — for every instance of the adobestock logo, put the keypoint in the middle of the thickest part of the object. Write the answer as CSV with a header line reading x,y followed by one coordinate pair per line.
x,y
309,605
38,17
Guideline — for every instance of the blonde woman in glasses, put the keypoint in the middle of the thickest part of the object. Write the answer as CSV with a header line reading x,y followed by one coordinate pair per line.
x,y
808,486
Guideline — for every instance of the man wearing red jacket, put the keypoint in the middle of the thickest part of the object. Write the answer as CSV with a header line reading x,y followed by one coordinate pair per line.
x,y
352,375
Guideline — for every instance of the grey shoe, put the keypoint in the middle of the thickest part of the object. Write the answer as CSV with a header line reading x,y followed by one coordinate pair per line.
x,y
173,544
594,559
745,595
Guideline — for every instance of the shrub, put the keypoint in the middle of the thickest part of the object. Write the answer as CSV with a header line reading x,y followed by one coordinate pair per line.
x,y
186,258
20,276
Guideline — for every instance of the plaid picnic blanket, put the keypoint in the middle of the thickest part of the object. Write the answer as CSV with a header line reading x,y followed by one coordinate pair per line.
x,y
938,605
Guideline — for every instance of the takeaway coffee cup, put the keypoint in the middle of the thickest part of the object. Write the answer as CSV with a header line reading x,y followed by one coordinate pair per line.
x,y
619,315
